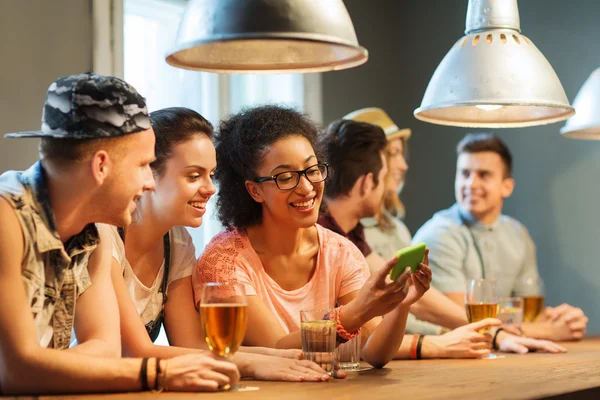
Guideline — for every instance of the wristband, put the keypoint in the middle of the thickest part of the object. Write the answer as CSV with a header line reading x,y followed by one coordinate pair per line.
x,y
494,344
144,374
413,346
419,344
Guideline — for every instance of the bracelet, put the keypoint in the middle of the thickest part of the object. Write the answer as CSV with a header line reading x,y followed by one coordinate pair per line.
x,y
144,374
413,346
157,387
419,344
494,344
340,328
164,386
341,335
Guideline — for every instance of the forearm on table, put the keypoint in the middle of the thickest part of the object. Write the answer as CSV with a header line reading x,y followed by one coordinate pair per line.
x,y
290,341
243,360
428,348
403,352
383,343
265,351
164,352
535,330
68,372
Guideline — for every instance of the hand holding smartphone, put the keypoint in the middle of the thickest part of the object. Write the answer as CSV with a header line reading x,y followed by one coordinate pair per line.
x,y
411,257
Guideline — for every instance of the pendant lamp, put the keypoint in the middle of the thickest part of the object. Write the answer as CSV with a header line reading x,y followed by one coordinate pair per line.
x,y
260,36
494,77
586,123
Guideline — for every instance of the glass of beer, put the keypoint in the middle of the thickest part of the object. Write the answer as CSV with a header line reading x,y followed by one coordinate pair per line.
x,y
318,338
481,302
532,291
224,318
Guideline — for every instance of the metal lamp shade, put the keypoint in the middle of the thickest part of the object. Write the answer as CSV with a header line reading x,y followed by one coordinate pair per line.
x,y
494,77
254,36
586,123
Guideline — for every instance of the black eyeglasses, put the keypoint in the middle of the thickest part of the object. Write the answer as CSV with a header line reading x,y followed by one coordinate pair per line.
x,y
289,179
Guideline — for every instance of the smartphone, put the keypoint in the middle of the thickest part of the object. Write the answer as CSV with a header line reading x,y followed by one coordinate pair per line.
x,y
411,257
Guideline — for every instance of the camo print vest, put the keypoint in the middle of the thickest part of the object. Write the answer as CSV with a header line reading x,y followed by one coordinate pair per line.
x,y
54,274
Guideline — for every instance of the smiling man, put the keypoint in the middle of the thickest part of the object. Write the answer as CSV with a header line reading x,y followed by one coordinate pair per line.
x,y
96,146
473,239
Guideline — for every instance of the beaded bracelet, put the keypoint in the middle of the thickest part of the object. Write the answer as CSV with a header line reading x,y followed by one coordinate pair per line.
x,y
341,335
340,328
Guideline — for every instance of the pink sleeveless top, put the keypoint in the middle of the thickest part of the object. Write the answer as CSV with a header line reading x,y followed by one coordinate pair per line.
x,y
229,257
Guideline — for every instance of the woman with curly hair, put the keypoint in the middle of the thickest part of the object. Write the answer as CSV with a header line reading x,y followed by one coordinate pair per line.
x,y
153,258
271,178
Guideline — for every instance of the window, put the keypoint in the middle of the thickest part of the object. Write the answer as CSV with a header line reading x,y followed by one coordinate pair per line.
x,y
133,36
150,29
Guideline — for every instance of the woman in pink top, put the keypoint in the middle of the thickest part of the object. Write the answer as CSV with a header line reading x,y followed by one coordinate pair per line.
x,y
270,188
142,256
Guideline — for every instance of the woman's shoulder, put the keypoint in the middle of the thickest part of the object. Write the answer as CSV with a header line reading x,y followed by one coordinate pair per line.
x,y
229,242
115,237
116,242
180,236
110,230
228,239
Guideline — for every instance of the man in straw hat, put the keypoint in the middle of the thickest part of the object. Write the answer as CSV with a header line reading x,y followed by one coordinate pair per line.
x,y
95,154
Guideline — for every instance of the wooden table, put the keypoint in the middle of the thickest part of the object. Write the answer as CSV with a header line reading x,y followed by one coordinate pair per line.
x,y
529,376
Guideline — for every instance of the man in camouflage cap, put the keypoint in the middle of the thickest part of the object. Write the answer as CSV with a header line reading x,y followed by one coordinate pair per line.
x,y
95,154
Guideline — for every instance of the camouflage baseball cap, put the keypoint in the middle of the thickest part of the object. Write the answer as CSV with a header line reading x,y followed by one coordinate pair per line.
x,y
90,106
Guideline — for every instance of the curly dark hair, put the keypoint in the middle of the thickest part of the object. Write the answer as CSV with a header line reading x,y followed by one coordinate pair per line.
x,y
241,144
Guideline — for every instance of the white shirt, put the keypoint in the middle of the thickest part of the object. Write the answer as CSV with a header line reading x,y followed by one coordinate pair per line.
x,y
507,251
148,300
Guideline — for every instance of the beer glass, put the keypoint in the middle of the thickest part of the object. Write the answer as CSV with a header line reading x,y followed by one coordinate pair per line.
x,y
532,291
224,318
481,302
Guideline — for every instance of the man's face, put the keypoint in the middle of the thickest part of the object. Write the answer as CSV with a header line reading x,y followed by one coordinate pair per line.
x,y
481,183
130,177
374,198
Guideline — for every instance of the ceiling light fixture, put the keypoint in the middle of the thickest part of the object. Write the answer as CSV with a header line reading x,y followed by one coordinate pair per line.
x,y
260,36
494,77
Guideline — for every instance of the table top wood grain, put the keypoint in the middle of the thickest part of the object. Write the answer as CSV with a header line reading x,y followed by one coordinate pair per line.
x,y
534,375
